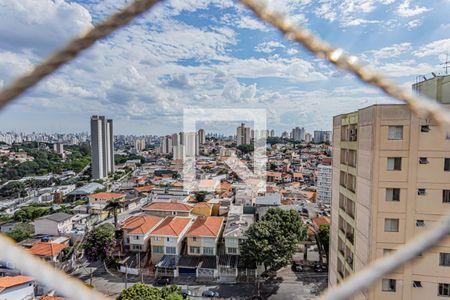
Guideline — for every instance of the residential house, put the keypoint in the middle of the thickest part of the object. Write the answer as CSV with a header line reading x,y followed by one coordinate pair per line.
x,y
203,236
203,209
136,232
164,209
48,251
167,237
16,287
274,176
202,242
55,224
103,198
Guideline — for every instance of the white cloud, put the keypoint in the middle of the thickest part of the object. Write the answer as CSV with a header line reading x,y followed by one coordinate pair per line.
x,y
433,48
388,52
414,23
349,12
268,47
406,10
40,26
291,51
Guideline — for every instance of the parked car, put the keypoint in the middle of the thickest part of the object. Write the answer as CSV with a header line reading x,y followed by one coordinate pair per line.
x,y
186,293
161,281
297,268
210,294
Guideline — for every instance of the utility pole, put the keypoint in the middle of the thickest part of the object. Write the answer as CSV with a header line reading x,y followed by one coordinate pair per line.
x,y
446,64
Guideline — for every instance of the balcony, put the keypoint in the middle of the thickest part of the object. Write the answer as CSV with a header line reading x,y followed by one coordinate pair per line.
x,y
349,237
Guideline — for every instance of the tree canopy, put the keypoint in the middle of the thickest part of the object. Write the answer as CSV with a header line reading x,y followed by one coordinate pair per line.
x,y
141,291
272,241
323,236
21,232
100,242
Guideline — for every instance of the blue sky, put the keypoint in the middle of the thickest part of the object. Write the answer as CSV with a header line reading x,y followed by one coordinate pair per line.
x,y
212,54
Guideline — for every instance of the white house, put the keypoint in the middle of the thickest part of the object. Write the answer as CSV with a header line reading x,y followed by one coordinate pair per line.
x,y
54,224
16,287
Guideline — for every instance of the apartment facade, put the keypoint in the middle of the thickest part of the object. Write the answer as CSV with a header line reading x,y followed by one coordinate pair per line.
x,y
203,236
324,184
391,182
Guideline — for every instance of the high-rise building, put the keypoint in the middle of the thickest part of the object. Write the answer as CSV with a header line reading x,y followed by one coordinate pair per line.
x,y
166,144
201,136
102,146
308,138
59,149
298,134
321,136
272,133
391,182
243,135
285,135
139,144
191,144
324,184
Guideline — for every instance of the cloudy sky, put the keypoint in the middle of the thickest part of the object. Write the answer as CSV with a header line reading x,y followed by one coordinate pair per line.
x,y
211,54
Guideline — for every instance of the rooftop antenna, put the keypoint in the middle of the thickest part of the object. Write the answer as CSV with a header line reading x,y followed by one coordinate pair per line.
x,y
446,65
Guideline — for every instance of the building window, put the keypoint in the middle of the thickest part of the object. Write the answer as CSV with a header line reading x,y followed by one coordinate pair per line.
x,y
194,250
392,194
446,196
158,249
168,239
395,132
388,251
447,164
425,128
171,250
394,163
156,238
444,289
444,259
391,225
420,223
232,250
417,284
423,160
136,237
388,285
421,192
194,238
208,250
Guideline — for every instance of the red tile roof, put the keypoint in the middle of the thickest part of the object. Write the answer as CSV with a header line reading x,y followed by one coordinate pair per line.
x,y
203,204
171,226
106,195
168,206
10,281
140,224
321,220
48,249
206,227
52,298
145,188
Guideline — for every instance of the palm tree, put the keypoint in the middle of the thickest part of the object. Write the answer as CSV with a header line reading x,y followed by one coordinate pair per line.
x,y
113,207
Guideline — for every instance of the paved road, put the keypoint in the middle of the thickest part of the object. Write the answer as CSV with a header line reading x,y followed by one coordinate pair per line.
x,y
286,285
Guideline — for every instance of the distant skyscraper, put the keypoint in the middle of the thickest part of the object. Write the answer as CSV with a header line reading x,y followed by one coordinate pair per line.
x,y
321,136
308,137
139,144
59,148
102,146
201,136
298,134
166,144
243,135
272,133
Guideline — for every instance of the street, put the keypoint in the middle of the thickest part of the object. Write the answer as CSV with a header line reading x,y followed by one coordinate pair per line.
x,y
286,284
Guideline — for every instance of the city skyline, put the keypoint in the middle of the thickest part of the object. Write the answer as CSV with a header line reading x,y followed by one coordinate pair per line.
x,y
144,87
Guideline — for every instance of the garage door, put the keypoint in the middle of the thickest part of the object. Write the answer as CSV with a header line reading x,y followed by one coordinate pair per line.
x,y
187,271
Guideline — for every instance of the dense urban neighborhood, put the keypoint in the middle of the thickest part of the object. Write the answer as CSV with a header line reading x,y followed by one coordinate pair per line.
x,y
112,211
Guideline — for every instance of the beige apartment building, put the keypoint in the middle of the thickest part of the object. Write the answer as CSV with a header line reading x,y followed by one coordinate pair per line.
x,y
391,182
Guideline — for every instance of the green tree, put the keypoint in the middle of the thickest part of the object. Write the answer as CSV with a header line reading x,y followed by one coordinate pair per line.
x,y
21,232
100,243
200,196
13,189
323,237
272,241
140,291
246,148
